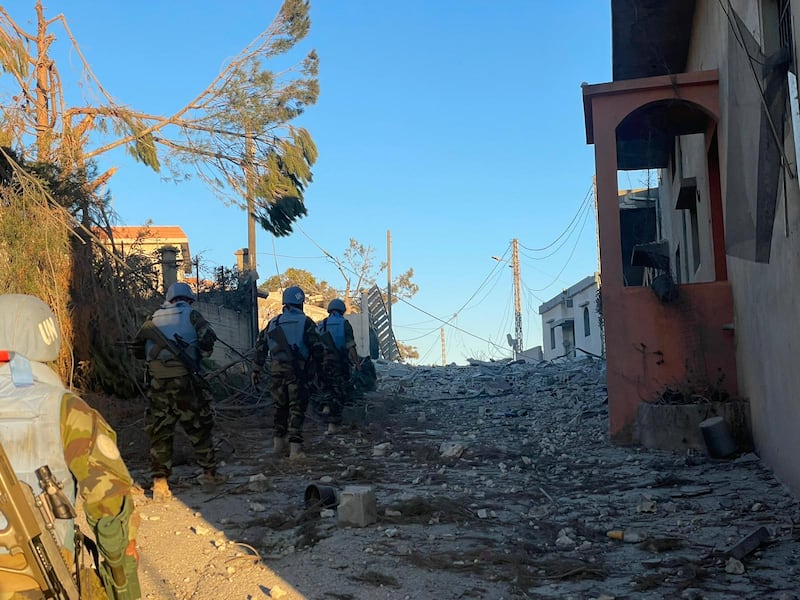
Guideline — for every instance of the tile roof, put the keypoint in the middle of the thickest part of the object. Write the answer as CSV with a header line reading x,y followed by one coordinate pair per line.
x,y
153,231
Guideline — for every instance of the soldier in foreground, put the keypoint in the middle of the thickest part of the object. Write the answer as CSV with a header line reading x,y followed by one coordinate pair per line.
x,y
292,342
175,338
43,423
338,340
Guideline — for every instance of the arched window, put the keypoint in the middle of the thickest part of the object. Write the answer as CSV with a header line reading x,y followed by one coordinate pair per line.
x,y
587,329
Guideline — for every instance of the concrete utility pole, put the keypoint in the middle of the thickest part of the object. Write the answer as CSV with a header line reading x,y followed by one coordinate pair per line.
x,y
444,354
197,275
249,151
389,283
252,275
517,303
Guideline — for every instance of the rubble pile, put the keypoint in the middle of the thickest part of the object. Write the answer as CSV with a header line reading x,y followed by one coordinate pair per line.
x,y
497,480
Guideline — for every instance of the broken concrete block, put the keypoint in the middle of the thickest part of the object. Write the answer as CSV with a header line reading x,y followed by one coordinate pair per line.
x,y
451,449
749,543
357,506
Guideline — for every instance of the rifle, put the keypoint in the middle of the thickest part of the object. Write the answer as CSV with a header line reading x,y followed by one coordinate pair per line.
x,y
279,336
30,531
178,349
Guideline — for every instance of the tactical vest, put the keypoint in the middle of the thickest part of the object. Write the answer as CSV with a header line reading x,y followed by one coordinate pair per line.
x,y
174,319
293,324
334,324
30,430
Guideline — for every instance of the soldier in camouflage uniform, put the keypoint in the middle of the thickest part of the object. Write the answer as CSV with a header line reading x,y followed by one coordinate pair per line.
x,y
175,394
41,423
292,342
336,335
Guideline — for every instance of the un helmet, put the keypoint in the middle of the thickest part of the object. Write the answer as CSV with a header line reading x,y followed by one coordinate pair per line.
x,y
28,327
337,304
293,295
180,290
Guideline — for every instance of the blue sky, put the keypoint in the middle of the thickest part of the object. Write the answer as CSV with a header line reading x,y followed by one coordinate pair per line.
x,y
455,124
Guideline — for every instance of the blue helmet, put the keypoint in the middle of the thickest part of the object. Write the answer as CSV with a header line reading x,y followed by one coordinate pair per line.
x,y
293,295
337,304
180,290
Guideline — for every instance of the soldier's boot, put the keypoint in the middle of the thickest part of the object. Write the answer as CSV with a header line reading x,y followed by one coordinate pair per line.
x,y
279,446
296,451
332,429
161,490
212,477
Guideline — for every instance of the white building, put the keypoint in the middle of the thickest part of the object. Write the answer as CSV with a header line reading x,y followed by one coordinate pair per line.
x,y
571,322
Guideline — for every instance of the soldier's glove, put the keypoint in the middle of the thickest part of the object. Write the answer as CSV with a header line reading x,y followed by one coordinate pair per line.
x,y
256,377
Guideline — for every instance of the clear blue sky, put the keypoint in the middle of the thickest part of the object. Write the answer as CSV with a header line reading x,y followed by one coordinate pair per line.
x,y
455,124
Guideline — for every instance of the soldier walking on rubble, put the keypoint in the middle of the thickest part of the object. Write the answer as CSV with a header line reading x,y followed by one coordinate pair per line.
x,y
292,342
42,423
336,335
175,338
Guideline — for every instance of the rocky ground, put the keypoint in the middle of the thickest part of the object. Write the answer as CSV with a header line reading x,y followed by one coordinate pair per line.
x,y
495,480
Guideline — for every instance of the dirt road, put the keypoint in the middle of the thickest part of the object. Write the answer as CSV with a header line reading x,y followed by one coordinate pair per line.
x,y
491,481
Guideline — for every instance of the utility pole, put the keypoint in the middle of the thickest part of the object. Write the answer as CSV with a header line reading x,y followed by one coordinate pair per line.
x,y
249,151
517,303
389,283
597,221
444,354
252,276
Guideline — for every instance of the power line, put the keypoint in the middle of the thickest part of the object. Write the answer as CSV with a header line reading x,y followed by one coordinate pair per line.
x,y
494,270
404,301
275,256
289,256
425,312
565,235
582,205
585,208
569,258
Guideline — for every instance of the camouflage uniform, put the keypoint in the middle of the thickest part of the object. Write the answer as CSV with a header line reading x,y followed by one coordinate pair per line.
x,y
39,415
290,376
103,479
335,376
175,397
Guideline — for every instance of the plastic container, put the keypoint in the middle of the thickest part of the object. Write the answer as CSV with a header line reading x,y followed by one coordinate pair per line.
x,y
630,536
718,437
321,496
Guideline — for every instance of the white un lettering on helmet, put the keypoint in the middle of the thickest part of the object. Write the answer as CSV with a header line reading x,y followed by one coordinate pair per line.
x,y
48,331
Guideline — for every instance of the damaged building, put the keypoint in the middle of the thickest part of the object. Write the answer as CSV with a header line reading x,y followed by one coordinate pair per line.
x,y
704,94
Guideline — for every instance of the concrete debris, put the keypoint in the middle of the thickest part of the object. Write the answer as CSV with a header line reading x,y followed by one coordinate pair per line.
x,y
500,477
734,566
542,430
451,449
646,505
749,543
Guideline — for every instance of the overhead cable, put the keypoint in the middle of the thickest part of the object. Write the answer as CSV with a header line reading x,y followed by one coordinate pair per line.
x,y
585,208
582,205
569,258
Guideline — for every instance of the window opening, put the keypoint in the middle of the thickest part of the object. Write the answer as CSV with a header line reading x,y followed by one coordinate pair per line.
x,y
785,30
695,238
586,322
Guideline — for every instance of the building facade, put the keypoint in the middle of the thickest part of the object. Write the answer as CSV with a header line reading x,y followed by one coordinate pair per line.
x,y
705,94
571,326
167,246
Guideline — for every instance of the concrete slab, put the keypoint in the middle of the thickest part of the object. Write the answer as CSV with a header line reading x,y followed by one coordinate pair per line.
x,y
677,426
